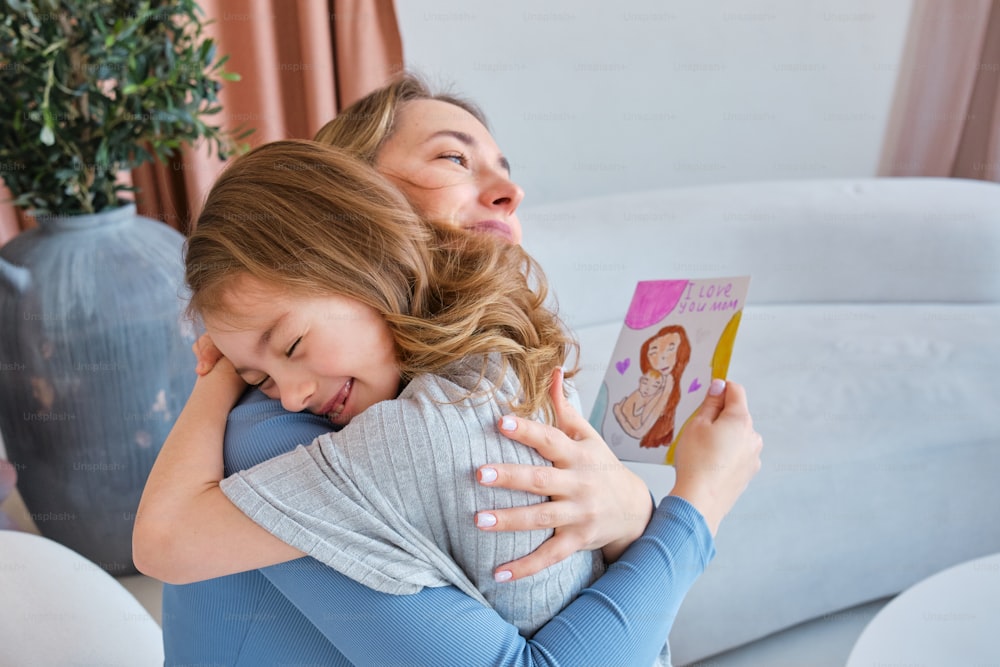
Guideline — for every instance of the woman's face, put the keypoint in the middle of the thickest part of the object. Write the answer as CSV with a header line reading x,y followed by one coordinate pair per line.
x,y
450,168
330,355
662,354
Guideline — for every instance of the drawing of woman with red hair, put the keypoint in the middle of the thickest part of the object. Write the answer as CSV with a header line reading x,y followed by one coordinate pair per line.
x,y
668,351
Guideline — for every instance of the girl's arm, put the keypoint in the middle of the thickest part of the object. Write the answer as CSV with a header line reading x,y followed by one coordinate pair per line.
x,y
601,504
185,528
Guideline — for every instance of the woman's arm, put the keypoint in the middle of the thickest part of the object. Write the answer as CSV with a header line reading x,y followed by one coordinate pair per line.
x,y
258,429
717,455
624,618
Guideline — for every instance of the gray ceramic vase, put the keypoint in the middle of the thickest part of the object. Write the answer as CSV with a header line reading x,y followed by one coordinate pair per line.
x,y
95,365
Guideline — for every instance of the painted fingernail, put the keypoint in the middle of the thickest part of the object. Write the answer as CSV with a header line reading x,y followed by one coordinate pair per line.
x,y
717,387
508,423
487,475
503,575
485,520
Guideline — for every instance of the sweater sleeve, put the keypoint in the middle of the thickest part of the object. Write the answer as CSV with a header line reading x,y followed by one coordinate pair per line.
x,y
621,619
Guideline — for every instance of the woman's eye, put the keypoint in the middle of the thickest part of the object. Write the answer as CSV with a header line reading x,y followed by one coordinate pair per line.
x,y
457,158
294,345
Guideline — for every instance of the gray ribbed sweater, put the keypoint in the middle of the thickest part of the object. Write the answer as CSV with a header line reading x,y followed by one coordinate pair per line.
x,y
389,500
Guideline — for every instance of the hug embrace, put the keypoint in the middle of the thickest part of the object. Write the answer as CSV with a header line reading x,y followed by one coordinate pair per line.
x,y
378,463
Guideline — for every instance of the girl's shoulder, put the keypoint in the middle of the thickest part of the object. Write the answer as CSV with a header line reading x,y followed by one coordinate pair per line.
x,y
473,378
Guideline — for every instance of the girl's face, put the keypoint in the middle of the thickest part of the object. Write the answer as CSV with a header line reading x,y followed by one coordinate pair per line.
x,y
329,355
662,352
449,167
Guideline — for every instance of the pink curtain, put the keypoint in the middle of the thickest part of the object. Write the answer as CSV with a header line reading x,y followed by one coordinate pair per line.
x,y
945,119
299,61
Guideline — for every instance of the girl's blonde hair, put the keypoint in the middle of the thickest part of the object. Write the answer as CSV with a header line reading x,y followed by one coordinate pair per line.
x,y
313,220
363,127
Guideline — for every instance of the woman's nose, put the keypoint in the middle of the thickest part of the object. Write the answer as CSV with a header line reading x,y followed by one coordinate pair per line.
x,y
504,193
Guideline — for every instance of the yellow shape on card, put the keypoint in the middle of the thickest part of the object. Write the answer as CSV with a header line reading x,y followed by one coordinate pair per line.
x,y
720,366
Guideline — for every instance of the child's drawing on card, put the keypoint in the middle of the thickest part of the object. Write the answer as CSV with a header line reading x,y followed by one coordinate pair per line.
x,y
636,412
678,336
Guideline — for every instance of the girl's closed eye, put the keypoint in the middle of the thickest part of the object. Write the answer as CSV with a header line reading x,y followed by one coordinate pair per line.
x,y
260,384
288,353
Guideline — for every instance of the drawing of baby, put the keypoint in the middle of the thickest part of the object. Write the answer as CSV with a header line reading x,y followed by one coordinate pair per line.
x,y
636,412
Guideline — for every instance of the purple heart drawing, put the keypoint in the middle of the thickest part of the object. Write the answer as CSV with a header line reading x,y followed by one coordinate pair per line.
x,y
695,386
622,365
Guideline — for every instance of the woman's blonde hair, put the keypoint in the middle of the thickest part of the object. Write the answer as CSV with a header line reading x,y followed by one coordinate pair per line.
x,y
363,127
313,220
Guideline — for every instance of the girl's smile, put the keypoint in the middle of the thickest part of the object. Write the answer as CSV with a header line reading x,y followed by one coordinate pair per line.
x,y
338,404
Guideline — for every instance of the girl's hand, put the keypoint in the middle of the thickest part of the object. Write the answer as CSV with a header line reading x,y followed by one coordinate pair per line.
x,y
206,353
217,378
718,453
596,502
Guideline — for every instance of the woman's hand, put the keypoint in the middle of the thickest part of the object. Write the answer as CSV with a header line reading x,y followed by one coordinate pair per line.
x,y
596,502
718,453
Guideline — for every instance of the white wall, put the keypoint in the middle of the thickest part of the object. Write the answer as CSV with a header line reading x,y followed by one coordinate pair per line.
x,y
589,97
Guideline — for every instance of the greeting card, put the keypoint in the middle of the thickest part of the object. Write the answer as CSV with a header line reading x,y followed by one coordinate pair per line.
x,y
678,335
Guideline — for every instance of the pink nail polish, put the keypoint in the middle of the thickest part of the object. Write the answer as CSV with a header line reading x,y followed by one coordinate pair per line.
x,y
717,387
487,475
485,520
508,424
503,575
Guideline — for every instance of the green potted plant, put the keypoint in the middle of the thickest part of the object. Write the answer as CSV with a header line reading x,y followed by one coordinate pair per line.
x,y
91,310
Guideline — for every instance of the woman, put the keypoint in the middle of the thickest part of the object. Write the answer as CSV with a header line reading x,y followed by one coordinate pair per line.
x,y
287,631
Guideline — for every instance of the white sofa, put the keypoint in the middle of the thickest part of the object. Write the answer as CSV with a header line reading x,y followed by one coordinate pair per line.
x,y
870,348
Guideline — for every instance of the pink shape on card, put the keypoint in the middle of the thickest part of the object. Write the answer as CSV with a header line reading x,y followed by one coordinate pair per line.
x,y
653,300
